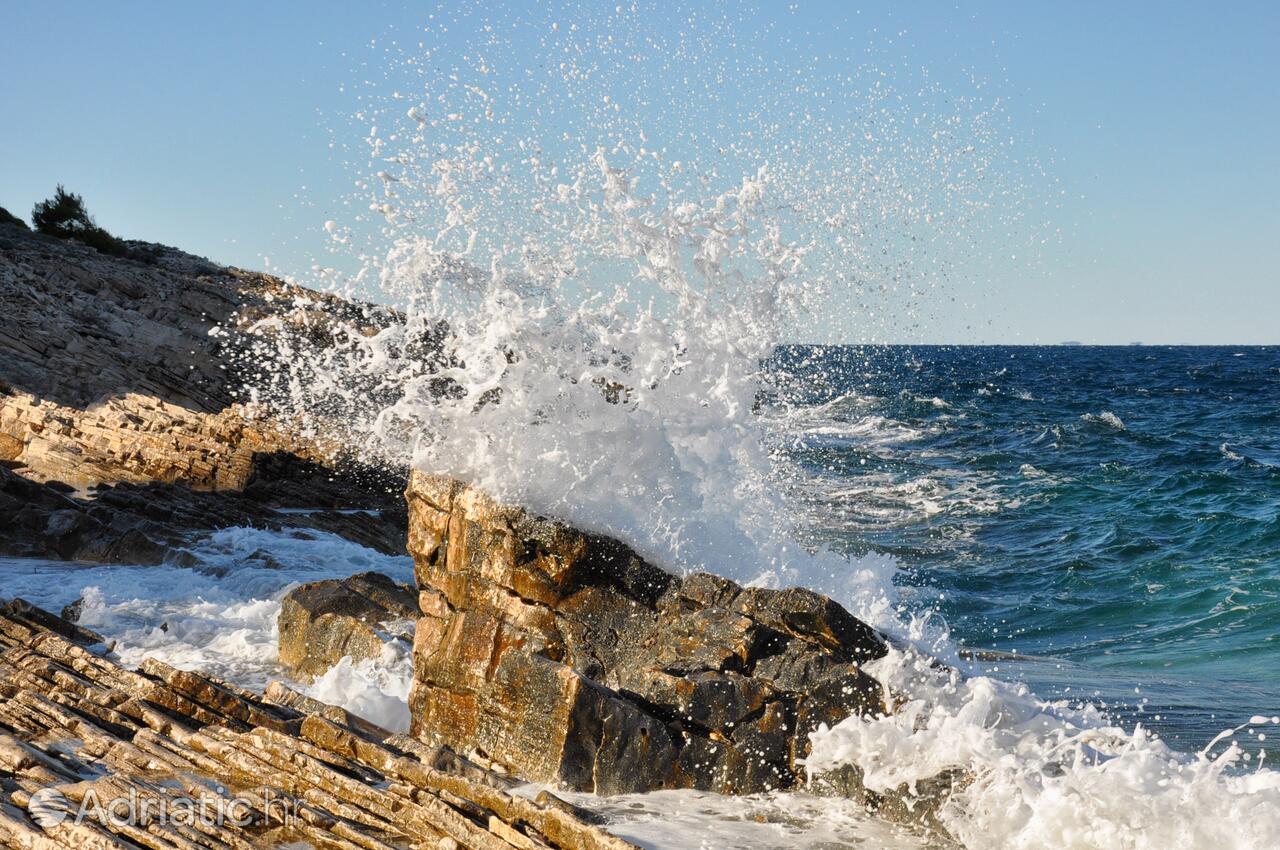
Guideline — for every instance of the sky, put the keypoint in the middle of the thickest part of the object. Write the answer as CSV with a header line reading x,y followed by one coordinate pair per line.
x,y
1155,125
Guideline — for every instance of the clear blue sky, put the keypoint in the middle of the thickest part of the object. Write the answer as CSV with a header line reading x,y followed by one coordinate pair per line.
x,y
203,126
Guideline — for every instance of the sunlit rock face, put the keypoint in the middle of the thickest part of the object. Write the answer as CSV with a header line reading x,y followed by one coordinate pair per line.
x,y
113,369
564,657
322,622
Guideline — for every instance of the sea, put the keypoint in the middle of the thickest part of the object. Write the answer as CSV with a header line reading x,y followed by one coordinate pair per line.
x,y
1093,531
1102,522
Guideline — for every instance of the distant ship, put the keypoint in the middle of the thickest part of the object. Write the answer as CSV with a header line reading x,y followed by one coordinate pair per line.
x,y
1071,342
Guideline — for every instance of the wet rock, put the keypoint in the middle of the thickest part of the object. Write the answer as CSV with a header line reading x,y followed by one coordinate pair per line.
x,y
37,520
323,622
567,658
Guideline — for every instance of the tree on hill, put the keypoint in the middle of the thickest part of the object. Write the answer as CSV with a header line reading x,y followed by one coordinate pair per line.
x,y
64,216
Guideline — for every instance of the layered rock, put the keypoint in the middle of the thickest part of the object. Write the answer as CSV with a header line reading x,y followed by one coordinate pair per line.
x,y
153,523
78,731
115,370
121,413
566,658
322,622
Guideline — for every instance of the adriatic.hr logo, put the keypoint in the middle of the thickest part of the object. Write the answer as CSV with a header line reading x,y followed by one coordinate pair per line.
x,y
50,808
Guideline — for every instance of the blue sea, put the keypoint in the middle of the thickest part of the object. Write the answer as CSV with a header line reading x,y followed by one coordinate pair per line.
x,y
1102,523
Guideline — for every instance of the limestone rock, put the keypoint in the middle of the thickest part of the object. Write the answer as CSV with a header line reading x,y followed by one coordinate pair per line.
x,y
324,621
284,770
568,659
109,371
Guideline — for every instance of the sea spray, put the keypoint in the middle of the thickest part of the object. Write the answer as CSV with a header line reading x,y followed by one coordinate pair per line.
x,y
1049,775
587,261
575,292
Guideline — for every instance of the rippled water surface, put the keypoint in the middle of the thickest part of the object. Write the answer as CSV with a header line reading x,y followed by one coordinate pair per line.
x,y
1111,512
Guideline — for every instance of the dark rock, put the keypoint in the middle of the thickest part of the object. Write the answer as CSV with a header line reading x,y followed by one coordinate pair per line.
x,y
38,619
8,219
322,622
71,611
567,658
150,523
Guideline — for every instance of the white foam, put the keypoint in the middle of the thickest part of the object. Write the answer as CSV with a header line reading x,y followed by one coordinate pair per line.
x,y
220,617
1045,775
1105,418
694,820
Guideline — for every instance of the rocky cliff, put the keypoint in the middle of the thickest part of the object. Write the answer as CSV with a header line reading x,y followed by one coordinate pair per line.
x,y
120,404
109,370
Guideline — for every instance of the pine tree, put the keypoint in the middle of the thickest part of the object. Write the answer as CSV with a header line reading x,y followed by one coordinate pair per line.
x,y
65,216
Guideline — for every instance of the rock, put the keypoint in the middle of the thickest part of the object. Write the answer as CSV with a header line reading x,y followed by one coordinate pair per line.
x,y
72,610
566,658
40,619
290,770
8,219
322,622
119,371
151,523
38,520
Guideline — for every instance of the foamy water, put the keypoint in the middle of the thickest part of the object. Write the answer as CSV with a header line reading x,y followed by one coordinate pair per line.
x,y
220,617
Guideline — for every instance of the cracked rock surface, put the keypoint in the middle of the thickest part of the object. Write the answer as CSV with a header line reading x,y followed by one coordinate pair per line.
x,y
285,769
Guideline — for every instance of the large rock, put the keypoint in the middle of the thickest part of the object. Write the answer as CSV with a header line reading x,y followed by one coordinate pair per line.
x,y
323,622
566,658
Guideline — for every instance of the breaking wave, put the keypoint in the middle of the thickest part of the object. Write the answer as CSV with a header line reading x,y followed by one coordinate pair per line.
x,y
573,292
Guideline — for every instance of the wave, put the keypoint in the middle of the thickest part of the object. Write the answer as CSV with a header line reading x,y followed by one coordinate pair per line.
x,y
580,321
1047,775
1106,419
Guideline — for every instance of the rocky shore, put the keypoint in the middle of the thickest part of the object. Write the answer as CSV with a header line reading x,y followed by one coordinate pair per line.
x,y
96,756
540,652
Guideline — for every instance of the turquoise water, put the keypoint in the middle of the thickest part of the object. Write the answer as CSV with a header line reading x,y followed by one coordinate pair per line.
x,y
1111,513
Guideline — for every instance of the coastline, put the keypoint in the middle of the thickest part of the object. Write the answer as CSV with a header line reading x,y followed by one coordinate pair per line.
x,y
539,651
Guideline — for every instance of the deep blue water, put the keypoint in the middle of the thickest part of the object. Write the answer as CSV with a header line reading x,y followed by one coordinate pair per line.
x,y
1111,512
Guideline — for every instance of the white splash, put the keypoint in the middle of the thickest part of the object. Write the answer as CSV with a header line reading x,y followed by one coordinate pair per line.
x,y
583,296
1047,775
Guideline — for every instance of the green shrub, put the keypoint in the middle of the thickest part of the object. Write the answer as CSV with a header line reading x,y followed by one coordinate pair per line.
x,y
64,216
